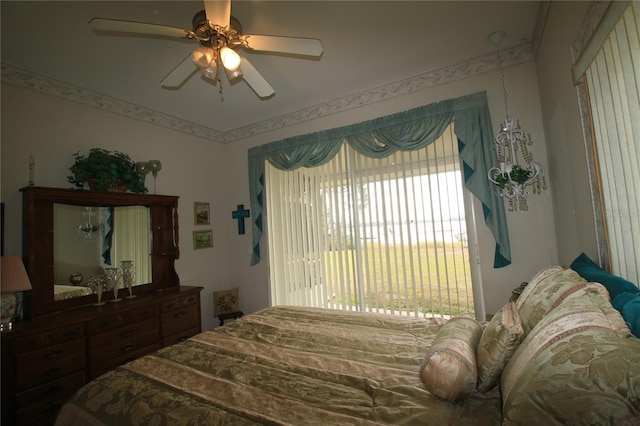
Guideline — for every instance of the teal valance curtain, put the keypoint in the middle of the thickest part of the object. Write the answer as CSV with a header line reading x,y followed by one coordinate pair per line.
x,y
379,138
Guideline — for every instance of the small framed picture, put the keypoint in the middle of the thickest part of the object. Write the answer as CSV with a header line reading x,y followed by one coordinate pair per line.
x,y
202,239
201,213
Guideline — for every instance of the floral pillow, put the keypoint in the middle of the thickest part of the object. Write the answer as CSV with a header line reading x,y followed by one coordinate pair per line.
x,y
579,365
500,339
540,298
225,302
449,369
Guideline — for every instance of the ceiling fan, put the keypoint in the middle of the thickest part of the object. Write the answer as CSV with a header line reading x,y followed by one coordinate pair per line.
x,y
220,36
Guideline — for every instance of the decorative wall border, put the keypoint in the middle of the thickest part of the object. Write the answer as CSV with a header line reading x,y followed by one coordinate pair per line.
x,y
50,86
594,15
24,78
541,21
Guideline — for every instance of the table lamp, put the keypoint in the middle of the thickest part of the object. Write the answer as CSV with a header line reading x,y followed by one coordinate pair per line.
x,y
14,278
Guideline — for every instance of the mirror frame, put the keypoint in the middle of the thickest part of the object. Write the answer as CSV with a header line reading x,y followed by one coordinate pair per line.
x,y
38,242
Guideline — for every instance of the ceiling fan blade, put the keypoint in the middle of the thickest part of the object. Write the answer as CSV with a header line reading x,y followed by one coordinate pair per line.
x,y
104,24
218,12
179,74
255,80
295,45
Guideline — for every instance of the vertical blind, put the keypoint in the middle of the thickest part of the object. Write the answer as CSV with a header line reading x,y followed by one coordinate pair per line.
x,y
613,87
376,234
132,241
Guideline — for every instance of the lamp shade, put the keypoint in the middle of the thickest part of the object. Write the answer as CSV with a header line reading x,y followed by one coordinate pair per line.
x,y
14,276
202,56
232,74
230,59
210,71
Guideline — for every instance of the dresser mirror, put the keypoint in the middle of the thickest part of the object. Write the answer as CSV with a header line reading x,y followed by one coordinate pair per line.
x,y
88,239
70,236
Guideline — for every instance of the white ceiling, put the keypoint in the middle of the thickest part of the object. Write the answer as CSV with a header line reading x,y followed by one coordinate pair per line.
x,y
367,45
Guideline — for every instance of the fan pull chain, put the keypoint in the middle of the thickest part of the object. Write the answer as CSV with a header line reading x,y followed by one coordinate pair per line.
x,y
220,79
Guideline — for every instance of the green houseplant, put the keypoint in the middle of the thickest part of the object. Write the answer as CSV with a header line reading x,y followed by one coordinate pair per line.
x,y
518,175
104,171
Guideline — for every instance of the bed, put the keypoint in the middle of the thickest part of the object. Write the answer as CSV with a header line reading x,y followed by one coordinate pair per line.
x,y
63,292
283,365
556,353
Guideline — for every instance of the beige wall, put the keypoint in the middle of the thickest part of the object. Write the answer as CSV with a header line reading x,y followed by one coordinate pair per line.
x,y
53,129
199,170
565,143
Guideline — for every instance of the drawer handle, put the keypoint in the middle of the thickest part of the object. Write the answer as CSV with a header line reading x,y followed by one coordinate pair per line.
x,y
180,314
52,390
128,348
54,407
146,313
29,344
54,354
126,333
52,371
168,306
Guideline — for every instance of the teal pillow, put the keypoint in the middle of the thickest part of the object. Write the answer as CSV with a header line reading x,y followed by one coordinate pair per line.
x,y
629,306
590,271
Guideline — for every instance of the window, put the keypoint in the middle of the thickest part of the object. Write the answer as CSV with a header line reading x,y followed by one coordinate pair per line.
x,y
301,254
611,81
384,235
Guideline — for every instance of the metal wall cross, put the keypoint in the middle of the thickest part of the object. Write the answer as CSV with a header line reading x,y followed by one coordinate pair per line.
x,y
240,214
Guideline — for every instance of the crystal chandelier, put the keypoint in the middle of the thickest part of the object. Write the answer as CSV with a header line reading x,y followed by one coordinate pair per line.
x,y
510,177
88,229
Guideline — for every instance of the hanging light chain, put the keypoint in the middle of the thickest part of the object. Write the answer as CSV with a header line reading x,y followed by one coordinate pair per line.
x,y
509,177
504,82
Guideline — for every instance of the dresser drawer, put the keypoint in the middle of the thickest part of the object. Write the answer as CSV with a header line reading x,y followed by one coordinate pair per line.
x,y
53,393
42,340
124,347
47,364
123,335
121,319
179,337
179,302
179,319
97,369
40,405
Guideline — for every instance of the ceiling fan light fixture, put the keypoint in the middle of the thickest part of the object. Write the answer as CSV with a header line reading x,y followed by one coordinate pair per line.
x,y
210,72
203,56
233,74
219,35
230,59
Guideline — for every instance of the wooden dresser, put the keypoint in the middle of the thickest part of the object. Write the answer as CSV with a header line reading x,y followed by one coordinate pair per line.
x,y
68,341
45,361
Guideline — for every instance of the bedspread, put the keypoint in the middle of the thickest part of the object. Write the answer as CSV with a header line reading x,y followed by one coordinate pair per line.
x,y
283,365
63,292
